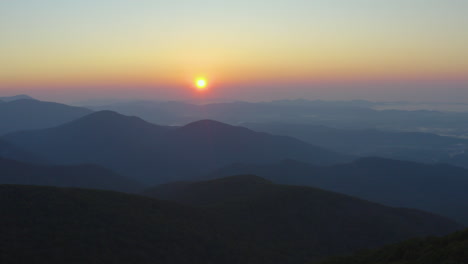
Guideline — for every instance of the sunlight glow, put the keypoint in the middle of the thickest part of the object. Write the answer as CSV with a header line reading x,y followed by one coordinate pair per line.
x,y
201,83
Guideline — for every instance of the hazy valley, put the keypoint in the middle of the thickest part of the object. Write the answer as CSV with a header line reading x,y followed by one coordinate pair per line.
x,y
212,192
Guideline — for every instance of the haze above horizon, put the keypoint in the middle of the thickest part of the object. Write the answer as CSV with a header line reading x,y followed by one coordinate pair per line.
x,y
256,50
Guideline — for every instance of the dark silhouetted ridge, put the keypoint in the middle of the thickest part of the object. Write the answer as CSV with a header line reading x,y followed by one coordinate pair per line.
x,y
270,224
279,216
443,250
241,179
67,225
438,188
10,151
83,176
209,192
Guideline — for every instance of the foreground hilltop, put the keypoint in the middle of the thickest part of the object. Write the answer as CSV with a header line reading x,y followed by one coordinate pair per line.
x,y
279,224
450,249
59,225
306,222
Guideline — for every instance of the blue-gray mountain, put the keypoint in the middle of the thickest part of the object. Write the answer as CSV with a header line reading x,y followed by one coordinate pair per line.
x,y
25,114
414,146
10,151
155,154
344,114
437,188
83,176
15,97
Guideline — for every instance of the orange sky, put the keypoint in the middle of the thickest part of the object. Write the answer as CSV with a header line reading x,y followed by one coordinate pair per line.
x,y
166,45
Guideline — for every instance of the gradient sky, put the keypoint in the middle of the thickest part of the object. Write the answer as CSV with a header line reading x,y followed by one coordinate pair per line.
x,y
248,49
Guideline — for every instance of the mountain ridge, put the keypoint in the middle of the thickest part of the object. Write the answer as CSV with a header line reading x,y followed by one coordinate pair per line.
x,y
152,153
274,211
432,250
83,176
438,188
28,114
70,225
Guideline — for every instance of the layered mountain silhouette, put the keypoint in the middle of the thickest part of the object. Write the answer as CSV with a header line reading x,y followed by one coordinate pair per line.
x,y
15,97
213,192
444,250
307,202
435,188
415,146
268,224
309,221
340,114
151,153
177,112
25,114
10,151
84,176
61,225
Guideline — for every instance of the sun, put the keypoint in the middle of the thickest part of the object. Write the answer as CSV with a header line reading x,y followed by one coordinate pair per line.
x,y
201,83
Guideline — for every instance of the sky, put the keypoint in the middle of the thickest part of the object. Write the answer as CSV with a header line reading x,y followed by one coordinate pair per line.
x,y
246,49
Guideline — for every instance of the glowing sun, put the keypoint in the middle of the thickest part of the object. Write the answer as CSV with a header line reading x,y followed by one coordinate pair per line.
x,y
201,83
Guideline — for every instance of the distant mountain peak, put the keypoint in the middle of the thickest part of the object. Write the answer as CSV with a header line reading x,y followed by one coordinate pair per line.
x,y
16,97
109,122
212,125
39,105
107,116
207,123
30,114
26,102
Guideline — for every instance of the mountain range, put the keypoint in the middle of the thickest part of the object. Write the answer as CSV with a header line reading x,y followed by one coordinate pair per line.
x,y
10,151
339,114
386,141
15,97
308,201
269,223
442,250
309,221
67,225
26,114
414,146
83,176
156,154
438,188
